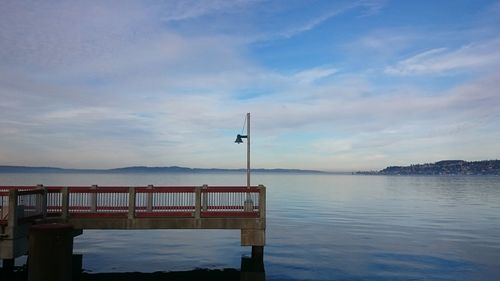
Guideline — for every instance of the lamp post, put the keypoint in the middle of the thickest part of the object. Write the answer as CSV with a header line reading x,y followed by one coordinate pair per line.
x,y
239,139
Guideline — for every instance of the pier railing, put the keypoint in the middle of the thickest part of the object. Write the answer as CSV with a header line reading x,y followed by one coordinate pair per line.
x,y
33,202
22,204
136,207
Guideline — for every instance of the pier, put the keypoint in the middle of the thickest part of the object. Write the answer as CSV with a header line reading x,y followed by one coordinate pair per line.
x,y
135,207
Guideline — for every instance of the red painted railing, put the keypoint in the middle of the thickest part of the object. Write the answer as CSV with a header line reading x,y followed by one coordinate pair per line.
x,y
229,201
4,206
29,203
133,202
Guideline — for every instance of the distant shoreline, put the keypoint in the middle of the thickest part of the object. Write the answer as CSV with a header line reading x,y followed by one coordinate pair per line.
x,y
144,169
442,168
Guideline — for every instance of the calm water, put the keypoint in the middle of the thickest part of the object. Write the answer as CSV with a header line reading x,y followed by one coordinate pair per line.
x,y
320,227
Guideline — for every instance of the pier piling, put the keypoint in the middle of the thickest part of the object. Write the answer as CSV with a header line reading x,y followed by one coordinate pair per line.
x,y
50,252
7,264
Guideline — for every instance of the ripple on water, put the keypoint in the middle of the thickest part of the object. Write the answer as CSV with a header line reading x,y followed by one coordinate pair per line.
x,y
321,227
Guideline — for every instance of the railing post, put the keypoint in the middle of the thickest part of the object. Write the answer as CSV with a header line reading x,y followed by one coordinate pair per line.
x,y
262,201
41,200
205,198
44,202
131,202
149,199
65,203
93,199
197,202
12,217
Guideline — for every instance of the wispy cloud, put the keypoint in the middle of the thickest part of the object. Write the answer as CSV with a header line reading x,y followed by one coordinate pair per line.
x,y
311,23
314,74
258,20
368,8
184,10
390,41
134,83
372,7
443,60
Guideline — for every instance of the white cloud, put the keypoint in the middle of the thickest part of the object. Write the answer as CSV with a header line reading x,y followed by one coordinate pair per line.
x,y
189,9
47,35
314,74
368,8
311,23
388,41
442,60
118,87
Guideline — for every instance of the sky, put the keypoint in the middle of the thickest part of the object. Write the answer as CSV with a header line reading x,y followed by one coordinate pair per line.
x,y
330,85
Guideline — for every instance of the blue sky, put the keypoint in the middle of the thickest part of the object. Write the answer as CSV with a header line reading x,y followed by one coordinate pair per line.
x,y
331,85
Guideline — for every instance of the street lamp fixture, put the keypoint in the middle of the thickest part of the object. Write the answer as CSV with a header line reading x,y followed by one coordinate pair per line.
x,y
239,139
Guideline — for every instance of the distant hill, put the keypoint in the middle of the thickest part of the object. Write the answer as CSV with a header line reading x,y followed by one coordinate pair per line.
x,y
445,167
145,169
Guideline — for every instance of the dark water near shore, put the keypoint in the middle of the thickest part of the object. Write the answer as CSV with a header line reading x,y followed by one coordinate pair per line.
x,y
319,227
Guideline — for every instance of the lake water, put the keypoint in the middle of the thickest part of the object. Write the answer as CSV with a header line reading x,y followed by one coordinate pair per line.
x,y
319,227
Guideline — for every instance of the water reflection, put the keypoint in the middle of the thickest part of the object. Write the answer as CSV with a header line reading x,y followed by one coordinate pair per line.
x,y
252,269
197,274
319,227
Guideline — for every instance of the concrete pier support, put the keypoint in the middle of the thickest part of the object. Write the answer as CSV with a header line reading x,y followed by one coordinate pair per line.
x,y
252,269
7,270
253,237
77,266
258,252
50,252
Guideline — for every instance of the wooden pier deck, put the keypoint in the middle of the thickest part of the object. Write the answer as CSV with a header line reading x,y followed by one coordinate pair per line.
x,y
136,207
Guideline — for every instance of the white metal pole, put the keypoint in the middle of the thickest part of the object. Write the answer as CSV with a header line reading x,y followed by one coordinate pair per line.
x,y
248,205
248,150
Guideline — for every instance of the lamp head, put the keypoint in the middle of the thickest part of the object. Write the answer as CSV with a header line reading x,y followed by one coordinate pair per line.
x,y
239,138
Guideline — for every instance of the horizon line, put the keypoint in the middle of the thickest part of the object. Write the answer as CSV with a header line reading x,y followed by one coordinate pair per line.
x,y
173,166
